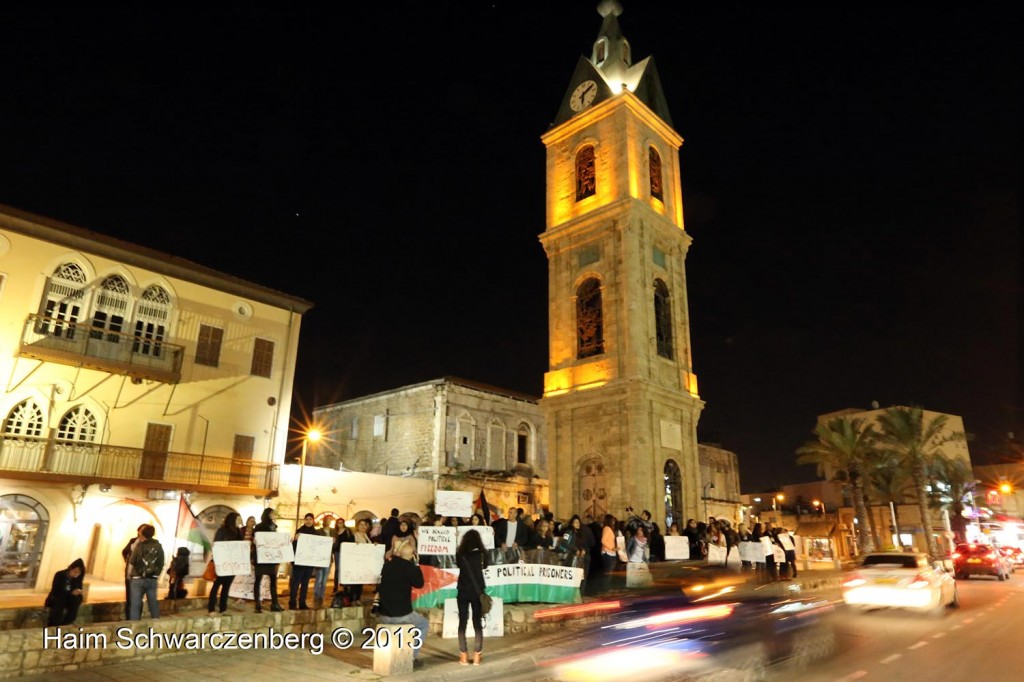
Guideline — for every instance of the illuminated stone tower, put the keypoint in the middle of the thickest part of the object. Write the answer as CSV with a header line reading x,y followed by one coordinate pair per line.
x,y
620,397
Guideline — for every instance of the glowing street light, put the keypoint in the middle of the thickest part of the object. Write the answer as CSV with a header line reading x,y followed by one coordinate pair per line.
x,y
311,435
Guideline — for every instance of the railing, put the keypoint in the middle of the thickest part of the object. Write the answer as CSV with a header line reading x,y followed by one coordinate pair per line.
x,y
73,343
92,463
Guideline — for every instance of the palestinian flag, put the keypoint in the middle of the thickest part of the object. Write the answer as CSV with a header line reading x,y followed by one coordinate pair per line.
x,y
189,533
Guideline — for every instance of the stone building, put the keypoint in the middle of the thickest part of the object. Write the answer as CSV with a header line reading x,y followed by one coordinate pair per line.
x,y
720,483
460,434
620,397
131,376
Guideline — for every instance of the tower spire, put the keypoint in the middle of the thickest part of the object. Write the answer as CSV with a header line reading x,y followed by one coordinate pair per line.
x,y
611,54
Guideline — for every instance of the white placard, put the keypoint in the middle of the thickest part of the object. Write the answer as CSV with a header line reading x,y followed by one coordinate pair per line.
x,y
242,586
716,554
733,560
638,575
274,548
787,542
486,534
766,547
232,557
453,503
313,550
360,563
494,621
677,547
751,552
779,554
436,540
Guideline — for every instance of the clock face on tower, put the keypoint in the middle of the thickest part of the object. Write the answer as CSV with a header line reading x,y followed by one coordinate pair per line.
x,y
583,95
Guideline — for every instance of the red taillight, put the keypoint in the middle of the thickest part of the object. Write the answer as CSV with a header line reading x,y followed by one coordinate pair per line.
x,y
990,555
853,580
956,555
918,582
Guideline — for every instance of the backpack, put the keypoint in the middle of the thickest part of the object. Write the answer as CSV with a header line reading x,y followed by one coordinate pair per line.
x,y
150,559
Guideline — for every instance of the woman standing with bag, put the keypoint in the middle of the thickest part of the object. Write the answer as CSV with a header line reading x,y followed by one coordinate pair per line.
x,y
471,559
228,531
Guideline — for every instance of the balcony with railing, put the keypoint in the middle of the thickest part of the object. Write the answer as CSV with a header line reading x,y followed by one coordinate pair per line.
x,y
80,345
88,463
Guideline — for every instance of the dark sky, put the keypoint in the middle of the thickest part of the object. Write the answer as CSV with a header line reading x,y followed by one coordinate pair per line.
x,y
850,180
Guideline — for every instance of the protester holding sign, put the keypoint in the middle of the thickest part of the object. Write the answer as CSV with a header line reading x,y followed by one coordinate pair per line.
x,y
269,570
299,586
472,560
229,531
361,535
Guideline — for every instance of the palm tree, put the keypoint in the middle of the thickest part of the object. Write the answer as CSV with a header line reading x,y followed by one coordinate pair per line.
x,y
958,478
906,435
890,481
844,445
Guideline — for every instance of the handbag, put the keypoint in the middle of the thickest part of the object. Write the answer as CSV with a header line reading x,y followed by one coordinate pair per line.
x,y
485,599
211,571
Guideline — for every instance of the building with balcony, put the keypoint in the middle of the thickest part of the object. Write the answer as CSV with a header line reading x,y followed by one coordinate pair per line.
x,y
130,376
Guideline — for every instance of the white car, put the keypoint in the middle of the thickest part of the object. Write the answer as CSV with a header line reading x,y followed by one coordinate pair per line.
x,y
904,580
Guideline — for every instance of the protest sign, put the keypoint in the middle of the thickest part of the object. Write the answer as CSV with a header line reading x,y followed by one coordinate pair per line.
x,y
453,503
751,551
638,574
716,555
435,540
232,557
360,563
779,554
486,534
677,547
242,587
313,550
273,548
494,621
786,541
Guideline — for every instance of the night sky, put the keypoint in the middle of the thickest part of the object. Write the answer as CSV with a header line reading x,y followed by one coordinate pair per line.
x,y
850,180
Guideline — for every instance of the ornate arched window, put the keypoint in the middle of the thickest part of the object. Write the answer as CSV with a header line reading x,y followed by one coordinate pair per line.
x,y
151,319
586,175
589,320
62,306
663,319
523,439
110,309
78,424
24,421
654,166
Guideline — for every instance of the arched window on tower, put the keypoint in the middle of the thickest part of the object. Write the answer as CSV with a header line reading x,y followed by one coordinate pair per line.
x,y
586,175
589,320
673,494
151,319
62,305
663,319
654,164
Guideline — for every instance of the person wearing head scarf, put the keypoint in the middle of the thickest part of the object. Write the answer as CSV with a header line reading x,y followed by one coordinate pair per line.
x,y
65,594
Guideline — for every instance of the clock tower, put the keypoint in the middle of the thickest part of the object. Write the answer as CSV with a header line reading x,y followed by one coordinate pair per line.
x,y
620,396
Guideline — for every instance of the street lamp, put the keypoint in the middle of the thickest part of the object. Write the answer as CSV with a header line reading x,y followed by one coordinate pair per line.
x,y
311,435
707,487
819,506
775,500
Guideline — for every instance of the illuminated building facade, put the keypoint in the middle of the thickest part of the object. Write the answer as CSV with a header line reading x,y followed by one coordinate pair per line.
x,y
620,397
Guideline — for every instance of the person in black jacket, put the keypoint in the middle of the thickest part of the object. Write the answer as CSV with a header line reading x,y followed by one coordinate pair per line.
x,y
471,558
125,554
65,594
388,529
266,525
298,586
397,579
229,531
